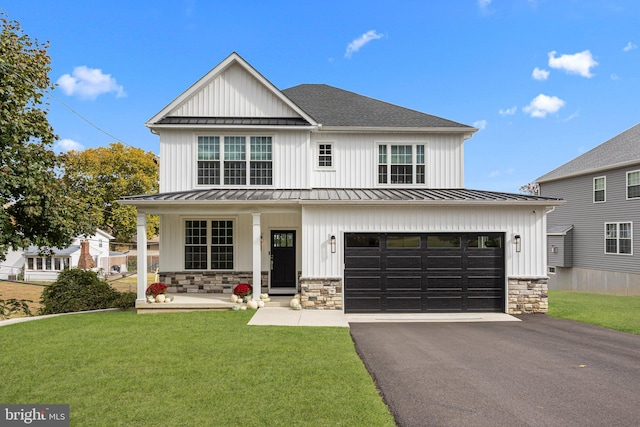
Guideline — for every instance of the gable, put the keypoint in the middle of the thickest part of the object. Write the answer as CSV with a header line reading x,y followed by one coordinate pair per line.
x,y
233,89
233,93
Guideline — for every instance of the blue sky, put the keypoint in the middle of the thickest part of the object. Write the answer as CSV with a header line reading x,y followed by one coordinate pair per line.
x,y
544,80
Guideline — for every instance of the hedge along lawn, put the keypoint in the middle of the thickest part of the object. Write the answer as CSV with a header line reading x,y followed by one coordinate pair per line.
x,y
614,312
197,368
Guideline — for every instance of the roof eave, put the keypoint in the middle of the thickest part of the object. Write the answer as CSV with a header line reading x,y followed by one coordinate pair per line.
x,y
153,127
619,165
387,129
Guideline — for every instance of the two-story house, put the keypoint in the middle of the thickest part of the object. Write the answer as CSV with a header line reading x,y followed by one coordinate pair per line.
x,y
591,241
354,203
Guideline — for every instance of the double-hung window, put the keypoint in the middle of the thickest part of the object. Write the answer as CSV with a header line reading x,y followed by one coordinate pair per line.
x,y
599,189
235,160
618,237
633,185
208,245
325,155
401,164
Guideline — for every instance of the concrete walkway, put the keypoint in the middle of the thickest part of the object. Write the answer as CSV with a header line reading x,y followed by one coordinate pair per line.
x,y
285,316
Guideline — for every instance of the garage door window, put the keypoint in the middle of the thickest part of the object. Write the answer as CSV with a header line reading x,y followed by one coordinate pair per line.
x,y
363,241
480,241
443,242
403,242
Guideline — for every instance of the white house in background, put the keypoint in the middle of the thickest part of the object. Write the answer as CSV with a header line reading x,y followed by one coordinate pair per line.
x,y
36,267
356,204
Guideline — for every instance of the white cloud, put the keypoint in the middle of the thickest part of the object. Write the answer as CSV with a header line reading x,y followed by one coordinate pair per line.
x,y
630,46
540,74
357,44
89,83
480,124
65,145
572,116
509,111
483,4
578,63
498,172
542,105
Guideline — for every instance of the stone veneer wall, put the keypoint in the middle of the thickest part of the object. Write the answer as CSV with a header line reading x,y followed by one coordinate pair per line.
x,y
321,293
209,282
528,295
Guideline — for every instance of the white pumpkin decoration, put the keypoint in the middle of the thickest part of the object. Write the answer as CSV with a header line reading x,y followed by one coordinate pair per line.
x,y
297,306
294,301
235,308
260,304
234,298
244,307
252,304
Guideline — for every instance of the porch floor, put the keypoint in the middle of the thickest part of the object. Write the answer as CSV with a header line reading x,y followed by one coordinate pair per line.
x,y
189,302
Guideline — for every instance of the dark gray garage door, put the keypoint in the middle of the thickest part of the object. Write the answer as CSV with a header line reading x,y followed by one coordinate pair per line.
x,y
424,272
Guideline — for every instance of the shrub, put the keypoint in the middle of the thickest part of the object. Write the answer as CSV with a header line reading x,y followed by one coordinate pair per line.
x,y
79,290
125,300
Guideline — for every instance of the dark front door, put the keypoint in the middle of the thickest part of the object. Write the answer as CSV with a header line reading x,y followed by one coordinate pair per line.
x,y
283,259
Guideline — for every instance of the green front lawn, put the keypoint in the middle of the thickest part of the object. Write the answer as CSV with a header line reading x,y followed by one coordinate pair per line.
x,y
188,369
613,312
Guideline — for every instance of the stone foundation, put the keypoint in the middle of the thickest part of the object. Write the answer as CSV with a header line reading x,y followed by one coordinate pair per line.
x,y
320,293
528,295
209,282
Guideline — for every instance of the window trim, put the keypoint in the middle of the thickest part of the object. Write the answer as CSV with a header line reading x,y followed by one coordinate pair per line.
x,y
208,219
551,269
316,160
47,264
604,190
630,238
414,163
248,161
627,184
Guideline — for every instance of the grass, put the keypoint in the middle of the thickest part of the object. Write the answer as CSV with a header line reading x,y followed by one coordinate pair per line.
x,y
621,313
184,369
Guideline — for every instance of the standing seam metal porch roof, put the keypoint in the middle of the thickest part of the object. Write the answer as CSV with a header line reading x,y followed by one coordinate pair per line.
x,y
340,195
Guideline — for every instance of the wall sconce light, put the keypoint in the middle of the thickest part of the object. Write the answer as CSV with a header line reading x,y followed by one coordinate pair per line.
x,y
517,242
554,249
332,243
261,241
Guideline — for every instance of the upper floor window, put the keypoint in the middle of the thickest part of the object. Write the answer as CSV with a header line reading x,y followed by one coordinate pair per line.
x,y
618,237
401,164
325,155
229,163
599,189
633,185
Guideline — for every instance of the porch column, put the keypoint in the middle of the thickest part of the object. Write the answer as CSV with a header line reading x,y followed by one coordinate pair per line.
x,y
141,223
257,258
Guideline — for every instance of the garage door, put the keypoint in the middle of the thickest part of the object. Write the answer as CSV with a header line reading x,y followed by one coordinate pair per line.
x,y
424,272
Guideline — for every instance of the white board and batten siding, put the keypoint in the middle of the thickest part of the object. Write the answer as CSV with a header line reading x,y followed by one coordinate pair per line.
x,y
233,93
172,231
356,159
322,222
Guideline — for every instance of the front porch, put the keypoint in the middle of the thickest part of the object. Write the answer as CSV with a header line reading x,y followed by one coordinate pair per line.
x,y
200,302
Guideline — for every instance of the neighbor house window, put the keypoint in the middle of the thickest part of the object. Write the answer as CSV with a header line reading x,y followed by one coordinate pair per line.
x,y
208,245
325,155
633,185
599,189
617,237
238,160
401,164
54,264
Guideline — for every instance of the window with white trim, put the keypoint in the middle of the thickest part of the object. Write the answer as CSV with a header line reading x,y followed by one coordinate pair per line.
x,y
208,245
46,263
236,161
325,155
618,238
633,184
551,270
599,189
401,164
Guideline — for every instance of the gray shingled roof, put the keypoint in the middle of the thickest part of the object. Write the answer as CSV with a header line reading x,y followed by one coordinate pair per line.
x,y
620,149
559,229
342,195
34,250
331,106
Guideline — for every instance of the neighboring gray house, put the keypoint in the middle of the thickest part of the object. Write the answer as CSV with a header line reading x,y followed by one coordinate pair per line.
x,y
591,242
357,204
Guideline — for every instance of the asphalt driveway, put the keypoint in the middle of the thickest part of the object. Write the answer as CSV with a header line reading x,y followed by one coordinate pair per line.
x,y
538,372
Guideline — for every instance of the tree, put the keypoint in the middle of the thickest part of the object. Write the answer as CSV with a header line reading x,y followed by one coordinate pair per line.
x,y
34,209
105,174
531,188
